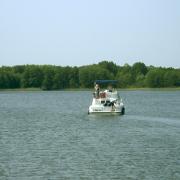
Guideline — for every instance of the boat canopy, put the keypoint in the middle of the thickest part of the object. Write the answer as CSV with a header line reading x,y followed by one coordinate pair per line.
x,y
106,81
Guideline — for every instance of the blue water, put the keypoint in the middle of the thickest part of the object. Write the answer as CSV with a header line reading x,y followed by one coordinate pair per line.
x,y
48,135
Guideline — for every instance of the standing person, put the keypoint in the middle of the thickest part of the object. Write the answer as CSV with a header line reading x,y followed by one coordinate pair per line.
x,y
97,89
110,89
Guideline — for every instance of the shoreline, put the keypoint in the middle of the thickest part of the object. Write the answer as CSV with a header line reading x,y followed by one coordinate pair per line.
x,y
91,89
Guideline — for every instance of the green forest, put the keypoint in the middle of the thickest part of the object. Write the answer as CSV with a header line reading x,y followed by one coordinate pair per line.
x,y
49,77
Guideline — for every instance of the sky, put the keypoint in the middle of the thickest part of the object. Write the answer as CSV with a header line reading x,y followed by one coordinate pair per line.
x,y
81,32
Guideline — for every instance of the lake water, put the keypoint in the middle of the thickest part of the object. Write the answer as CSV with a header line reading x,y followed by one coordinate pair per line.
x,y
49,135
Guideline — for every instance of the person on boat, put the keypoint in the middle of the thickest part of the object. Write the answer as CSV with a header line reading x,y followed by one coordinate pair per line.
x,y
97,90
110,89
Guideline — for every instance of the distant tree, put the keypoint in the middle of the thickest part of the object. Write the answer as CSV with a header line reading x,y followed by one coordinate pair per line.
x,y
32,76
125,69
139,68
125,79
13,80
50,77
19,69
170,78
84,77
88,74
155,78
177,71
74,78
110,66
9,80
60,79
124,76
48,80
2,80
140,81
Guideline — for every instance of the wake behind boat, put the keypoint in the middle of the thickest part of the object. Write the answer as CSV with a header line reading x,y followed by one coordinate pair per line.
x,y
106,101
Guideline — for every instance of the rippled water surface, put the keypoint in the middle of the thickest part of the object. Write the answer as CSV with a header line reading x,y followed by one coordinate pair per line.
x,y
48,135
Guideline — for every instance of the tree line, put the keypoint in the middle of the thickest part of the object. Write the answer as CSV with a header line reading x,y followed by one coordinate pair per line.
x,y
49,77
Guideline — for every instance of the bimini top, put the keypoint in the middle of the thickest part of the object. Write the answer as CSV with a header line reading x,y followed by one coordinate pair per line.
x,y
105,81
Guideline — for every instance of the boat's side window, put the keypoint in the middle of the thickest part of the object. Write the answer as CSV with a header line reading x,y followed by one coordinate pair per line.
x,y
107,103
102,102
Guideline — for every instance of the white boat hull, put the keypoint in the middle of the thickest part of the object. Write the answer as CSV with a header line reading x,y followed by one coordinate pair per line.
x,y
105,110
108,102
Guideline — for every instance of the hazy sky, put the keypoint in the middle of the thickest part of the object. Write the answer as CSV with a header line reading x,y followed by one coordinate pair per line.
x,y
80,32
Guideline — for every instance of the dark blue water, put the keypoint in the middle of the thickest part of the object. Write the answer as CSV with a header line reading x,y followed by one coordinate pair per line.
x,y
48,135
